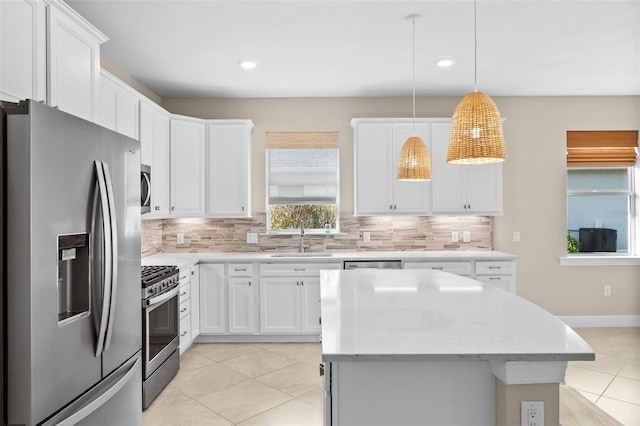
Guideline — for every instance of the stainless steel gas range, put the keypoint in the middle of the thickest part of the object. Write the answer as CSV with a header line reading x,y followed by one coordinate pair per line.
x,y
160,328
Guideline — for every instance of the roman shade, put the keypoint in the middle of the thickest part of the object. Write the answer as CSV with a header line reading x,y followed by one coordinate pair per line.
x,y
606,148
302,168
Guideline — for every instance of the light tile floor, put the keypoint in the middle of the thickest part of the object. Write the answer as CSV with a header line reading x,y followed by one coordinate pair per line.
x,y
278,384
612,381
243,384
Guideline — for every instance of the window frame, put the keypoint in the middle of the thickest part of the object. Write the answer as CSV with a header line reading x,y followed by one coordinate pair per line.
x,y
312,231
632,219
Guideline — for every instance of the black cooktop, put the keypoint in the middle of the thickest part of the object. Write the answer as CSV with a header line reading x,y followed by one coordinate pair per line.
x,y
153,274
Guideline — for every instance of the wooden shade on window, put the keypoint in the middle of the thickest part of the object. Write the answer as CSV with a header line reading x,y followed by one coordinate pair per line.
x,y
607,148
301,140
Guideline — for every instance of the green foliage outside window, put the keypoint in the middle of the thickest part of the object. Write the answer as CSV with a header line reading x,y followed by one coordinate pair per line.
x,y
572,244
314,216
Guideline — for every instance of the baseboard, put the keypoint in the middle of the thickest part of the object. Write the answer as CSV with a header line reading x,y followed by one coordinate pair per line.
x,y
602,320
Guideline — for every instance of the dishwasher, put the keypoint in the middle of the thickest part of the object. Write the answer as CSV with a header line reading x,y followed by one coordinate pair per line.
x,y
372,264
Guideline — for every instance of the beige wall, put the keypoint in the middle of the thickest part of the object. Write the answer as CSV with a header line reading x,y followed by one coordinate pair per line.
x,y
534,178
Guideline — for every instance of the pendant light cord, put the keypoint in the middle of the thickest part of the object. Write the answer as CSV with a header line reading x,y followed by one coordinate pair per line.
x,y
475,45
413,58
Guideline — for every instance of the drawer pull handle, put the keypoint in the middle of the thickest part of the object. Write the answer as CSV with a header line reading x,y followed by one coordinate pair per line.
x,y
240,269
495,278
183,310
439,268
184,333
299,269
494,267
182,294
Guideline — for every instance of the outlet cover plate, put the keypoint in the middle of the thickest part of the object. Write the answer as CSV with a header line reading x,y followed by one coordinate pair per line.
x,y
531,413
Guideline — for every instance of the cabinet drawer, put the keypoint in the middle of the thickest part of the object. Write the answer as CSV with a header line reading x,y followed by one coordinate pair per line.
x,y
295,269
458,268
185,331
185,276
495,268
504,282
240,269
185,292
185,309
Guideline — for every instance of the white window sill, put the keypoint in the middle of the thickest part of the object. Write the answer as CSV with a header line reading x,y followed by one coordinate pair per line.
x,y
599,260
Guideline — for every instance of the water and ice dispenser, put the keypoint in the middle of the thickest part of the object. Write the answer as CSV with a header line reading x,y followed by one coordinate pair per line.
x,y
74,283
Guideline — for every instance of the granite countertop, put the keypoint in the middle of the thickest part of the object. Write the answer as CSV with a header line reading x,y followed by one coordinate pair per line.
x,y
190,259
414,315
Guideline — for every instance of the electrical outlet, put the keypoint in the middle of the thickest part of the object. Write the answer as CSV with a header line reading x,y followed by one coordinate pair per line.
x,y
252,238
516,236
466,236
454,237
531,413
180,238
607,289
366,237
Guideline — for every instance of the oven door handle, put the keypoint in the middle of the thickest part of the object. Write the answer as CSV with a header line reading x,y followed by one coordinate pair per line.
x,y
161,298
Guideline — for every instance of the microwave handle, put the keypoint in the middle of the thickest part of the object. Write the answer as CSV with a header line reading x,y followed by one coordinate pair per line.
x,y
147,198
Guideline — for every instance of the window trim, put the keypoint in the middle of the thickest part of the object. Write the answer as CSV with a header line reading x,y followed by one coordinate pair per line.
x,y
307,231
601,258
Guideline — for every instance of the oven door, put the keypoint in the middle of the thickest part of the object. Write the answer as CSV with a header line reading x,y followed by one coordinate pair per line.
x,y
145,188
160,326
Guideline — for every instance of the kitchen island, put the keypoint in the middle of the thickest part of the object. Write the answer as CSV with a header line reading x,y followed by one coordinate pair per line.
x,y
425,347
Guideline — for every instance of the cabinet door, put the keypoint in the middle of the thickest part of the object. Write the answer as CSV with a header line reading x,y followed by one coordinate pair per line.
x,y
22,50
310,304
187,167
212,299
449,184
228,169
373,153
280,305
410,197
73,54
118,106
484,188
241,305
154,142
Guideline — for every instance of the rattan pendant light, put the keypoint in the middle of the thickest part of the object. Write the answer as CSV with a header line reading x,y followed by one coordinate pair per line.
x,y
415,161
476,128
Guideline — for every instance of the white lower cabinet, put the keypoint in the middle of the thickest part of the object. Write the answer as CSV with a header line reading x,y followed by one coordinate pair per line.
x,y
290,297
501,274
243,310
213,300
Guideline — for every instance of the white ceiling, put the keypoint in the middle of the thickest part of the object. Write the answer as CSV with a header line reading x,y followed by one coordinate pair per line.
x,y
310,48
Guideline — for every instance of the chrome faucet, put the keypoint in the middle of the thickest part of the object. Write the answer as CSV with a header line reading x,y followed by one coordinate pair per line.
x,y
301,246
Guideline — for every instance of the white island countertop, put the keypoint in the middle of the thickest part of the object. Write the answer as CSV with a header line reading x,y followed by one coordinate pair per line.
x,y
424,315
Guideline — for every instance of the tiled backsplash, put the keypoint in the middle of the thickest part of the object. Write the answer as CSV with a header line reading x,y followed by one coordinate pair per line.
x,y
387,234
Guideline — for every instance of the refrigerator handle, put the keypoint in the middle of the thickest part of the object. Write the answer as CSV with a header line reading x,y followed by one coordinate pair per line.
x,y
107,253
100,395
113,219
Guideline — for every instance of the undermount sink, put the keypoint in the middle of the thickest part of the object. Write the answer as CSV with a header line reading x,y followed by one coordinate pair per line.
x,y
310,254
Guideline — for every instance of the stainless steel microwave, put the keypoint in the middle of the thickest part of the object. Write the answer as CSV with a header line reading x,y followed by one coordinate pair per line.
x,y
145,188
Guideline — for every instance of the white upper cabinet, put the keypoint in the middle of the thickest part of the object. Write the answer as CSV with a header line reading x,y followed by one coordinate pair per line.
x,y
154,143
466,189
22,50
73,62
229,168
119,106
377,145
187,166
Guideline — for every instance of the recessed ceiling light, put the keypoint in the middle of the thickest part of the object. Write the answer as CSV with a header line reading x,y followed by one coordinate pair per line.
x,y
248,65
444,63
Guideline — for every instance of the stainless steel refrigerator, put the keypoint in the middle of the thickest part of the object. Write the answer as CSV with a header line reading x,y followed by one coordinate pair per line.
x,y
71,271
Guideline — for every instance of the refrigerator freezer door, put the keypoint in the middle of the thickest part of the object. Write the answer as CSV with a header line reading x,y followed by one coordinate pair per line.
x,y
50,178
122,157
112,402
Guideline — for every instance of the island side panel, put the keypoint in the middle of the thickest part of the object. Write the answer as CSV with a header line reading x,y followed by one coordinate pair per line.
x,y
437,393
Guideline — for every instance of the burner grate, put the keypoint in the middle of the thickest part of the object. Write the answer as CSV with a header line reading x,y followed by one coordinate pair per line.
x,y
153,274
